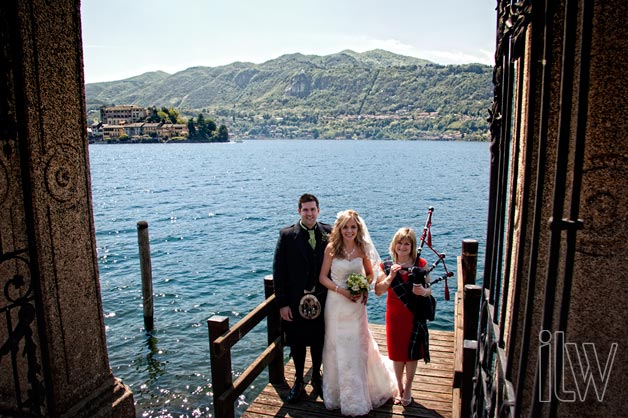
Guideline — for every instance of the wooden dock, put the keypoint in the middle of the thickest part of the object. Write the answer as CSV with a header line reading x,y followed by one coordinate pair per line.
x,y
432,388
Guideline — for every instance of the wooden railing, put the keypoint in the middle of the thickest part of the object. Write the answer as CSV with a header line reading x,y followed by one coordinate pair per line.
x,y
466,319
222,338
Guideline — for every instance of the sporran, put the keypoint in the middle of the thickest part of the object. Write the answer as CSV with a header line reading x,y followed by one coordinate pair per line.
x,y
309,306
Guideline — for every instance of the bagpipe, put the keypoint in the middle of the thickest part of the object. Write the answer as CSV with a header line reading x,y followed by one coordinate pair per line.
x,y
426,239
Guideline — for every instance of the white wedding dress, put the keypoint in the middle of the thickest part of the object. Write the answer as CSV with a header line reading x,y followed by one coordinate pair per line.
x,y
356,377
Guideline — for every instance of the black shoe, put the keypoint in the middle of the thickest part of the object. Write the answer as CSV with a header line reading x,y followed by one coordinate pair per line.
x,y
317,384
296,393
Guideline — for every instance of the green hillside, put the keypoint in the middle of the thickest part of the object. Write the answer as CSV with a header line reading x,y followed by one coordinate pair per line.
x,y
370,95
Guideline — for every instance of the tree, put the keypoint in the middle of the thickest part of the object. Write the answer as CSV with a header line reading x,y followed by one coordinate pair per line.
x,y
204,130
223,134
211,126
191,128
200,121
201,127
173,115
163,116
153,117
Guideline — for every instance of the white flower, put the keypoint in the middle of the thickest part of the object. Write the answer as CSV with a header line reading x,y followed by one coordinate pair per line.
x,y
357,284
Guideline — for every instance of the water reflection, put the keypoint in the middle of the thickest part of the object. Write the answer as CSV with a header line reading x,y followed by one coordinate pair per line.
x,y
149,360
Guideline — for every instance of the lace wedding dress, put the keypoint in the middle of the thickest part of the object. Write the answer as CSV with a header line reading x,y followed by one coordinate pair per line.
x,y
357,378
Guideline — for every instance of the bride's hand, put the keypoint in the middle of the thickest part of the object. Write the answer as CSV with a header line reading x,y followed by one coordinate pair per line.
x,y
346,293
365,298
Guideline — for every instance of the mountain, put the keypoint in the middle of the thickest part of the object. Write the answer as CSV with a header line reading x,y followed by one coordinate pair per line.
x,y
375,94
113,89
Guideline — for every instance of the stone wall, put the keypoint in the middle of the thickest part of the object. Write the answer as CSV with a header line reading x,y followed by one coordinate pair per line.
x,y
579,291
53,358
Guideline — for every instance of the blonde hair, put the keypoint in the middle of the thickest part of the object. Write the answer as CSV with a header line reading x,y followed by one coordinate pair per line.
x,y
335,238
400,235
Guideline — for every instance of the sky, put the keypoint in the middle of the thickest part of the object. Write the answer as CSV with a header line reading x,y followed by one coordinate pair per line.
x,y
122,39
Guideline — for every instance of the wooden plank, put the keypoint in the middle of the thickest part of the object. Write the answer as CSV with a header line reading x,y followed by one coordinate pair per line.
x,y
431,391
456,404
243,326
249,375
271,400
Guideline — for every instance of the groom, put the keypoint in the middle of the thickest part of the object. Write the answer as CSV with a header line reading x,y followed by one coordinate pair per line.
x,y
296,266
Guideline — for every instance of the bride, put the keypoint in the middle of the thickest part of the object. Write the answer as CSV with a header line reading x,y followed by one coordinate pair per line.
x,y
356,377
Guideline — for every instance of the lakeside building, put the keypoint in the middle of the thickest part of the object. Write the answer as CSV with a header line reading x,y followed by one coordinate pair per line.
x,y
138,131
117,121
114,115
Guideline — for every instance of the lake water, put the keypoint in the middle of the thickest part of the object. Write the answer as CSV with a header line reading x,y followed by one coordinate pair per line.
x,y
214,212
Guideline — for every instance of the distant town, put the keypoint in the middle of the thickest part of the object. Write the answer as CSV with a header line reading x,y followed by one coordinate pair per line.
x,y
136,124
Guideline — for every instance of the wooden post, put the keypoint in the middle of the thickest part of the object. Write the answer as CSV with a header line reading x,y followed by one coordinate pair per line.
x,y
468,372
221,367
273,324
147,274
469,260
471,315
465,334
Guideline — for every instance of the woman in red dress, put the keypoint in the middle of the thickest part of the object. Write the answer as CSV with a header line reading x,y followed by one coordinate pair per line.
x,y
405,344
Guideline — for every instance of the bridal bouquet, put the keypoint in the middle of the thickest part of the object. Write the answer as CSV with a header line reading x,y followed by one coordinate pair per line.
x,y
357,284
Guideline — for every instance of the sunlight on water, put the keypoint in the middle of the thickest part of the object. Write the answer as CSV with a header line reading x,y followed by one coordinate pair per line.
x,y
214,212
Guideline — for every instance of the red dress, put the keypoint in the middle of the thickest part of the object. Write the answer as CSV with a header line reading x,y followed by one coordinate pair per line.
x,y
399,322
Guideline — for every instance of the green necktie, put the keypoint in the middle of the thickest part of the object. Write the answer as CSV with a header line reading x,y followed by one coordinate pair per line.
x,y
312,239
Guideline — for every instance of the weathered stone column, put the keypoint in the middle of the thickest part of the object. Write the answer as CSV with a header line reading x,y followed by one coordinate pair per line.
x,y
572,300
53,353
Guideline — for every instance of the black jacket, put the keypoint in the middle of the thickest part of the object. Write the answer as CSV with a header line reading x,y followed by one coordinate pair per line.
x,y
295,265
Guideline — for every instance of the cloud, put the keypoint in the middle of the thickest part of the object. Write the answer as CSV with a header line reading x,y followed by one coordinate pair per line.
x,y
392,45
447,57
439,56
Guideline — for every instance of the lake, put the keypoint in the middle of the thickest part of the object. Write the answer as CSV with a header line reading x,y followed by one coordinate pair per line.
x,y
214,213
